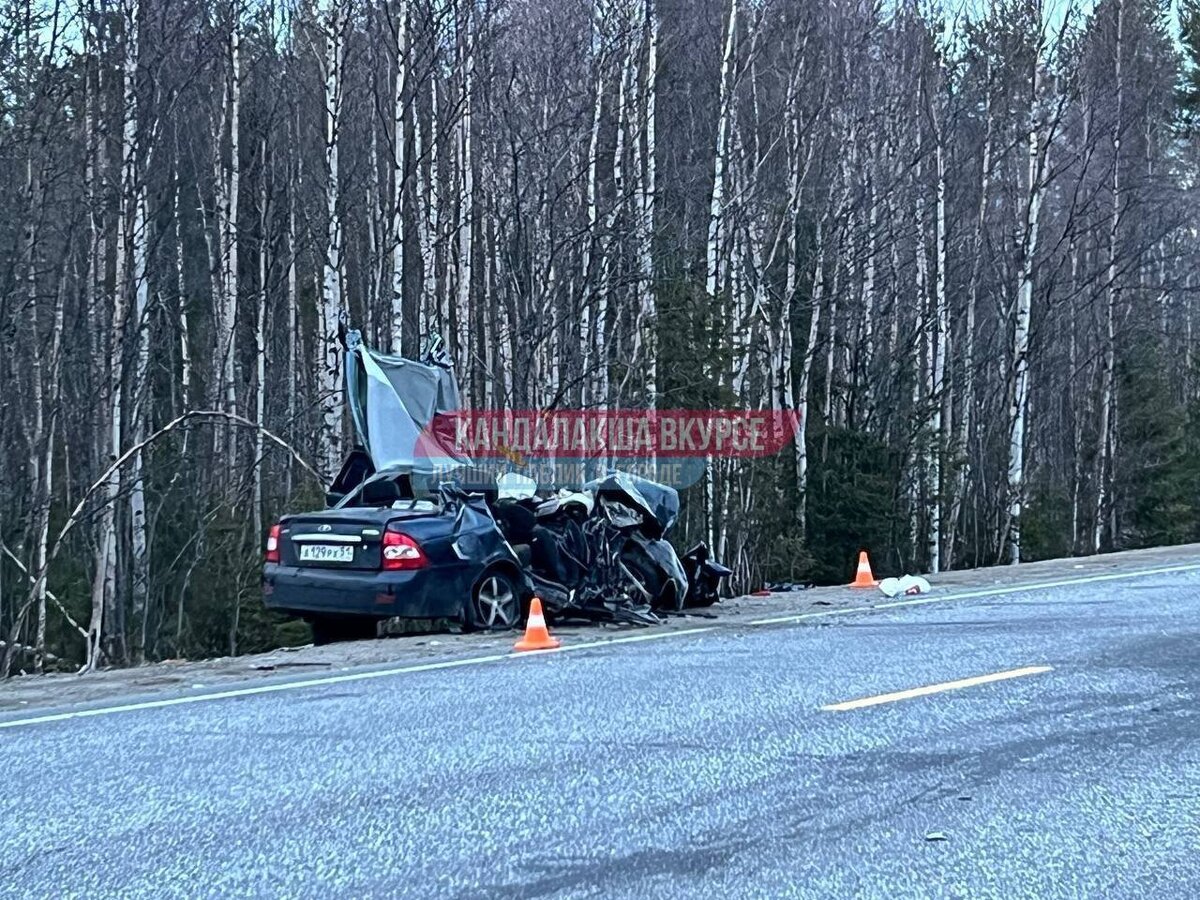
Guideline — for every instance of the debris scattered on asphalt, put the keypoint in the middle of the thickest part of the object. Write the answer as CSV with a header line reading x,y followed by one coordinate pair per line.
x,y
785,587
601,554
272,666
906,584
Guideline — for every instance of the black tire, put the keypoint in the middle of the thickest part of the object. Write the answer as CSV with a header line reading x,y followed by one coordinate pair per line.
x,y
703,600
653,587
333,630
495,603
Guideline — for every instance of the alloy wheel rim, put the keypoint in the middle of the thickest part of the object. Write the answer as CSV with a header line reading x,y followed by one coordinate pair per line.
x,y
495,601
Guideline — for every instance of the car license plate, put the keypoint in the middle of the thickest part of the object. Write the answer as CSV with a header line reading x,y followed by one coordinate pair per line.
x,y
326,553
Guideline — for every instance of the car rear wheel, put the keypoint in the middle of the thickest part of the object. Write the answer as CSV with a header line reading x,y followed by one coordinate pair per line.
x,y
495,603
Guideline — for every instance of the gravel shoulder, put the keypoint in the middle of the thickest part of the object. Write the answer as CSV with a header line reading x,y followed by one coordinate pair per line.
x,y
30,692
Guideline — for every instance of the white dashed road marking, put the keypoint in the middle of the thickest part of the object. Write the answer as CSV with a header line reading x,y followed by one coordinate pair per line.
x,y
935,688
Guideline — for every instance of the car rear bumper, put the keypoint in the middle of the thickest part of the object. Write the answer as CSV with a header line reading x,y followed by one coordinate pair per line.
x,y
421,594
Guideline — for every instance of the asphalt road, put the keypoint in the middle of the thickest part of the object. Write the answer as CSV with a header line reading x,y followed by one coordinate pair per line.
x,y
698,765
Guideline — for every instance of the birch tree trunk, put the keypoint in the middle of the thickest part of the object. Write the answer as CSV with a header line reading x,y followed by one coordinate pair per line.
x,y
466,200
110,640
260,349
590,241
332,309
921,387
937,367
399,176
293,303
720,158
966,349
715,217
47,426
139,546
1112,298
185,344
782,363
231,283
433,305
1019,405
647,325
805,378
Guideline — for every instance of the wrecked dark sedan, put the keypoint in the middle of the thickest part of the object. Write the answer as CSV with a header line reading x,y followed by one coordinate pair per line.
x,y
393,543
379,554
397,542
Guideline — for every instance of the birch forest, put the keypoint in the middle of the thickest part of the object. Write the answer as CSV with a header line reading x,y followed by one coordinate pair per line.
x,y
960,243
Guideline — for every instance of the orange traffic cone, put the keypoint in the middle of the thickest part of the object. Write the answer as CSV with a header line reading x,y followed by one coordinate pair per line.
x,y
863,578
537,636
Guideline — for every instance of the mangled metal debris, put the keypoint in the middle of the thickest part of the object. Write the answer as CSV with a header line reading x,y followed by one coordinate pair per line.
x,y
413,531
601,553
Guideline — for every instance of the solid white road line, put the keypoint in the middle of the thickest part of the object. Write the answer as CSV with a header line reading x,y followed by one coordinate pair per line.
x,y
334,679
935,688
630,639
984,592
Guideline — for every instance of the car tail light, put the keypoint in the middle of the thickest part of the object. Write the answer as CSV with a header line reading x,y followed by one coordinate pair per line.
x,y
273,544
402,552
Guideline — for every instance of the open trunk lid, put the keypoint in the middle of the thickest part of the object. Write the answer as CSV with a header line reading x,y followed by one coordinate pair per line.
x,y
394,403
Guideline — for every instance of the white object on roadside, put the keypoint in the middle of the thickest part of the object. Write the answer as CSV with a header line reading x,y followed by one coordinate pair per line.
x,y
906,584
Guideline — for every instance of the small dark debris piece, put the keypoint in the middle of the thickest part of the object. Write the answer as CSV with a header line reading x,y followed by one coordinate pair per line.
x,y
271,667
785,587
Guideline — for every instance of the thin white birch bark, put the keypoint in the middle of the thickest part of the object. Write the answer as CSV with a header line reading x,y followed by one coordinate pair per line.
x,y
1112,293
139,545
439,302
804,380
260,349
466,200
332,309
922,341
720,157
104,584
715,217
647,328
593,214
966,349
1019,406
293,304
399,175
231,281
185,342
937,368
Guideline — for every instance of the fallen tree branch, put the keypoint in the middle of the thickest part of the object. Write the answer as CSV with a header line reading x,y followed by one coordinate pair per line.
x,y
73,518
25,648
49,593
